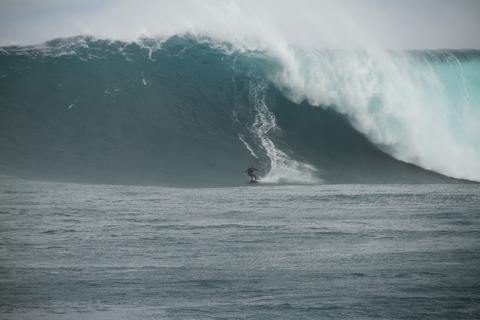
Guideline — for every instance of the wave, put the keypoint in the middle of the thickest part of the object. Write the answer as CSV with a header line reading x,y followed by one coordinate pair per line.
x,y
194,111
420,107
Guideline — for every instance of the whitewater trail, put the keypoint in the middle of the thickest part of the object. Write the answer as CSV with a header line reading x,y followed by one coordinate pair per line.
x,y
283,169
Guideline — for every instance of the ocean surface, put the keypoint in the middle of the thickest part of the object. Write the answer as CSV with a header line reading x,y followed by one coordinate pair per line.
x,y
368,206
83,251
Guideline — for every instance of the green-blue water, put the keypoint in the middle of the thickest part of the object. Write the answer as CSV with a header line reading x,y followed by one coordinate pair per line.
x,y
189,112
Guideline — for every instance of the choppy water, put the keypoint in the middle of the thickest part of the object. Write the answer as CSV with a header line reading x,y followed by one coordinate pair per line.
x,y
72,251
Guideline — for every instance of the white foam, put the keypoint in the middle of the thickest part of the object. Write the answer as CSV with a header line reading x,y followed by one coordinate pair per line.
x,y
71,105
242,139
283,168
404,104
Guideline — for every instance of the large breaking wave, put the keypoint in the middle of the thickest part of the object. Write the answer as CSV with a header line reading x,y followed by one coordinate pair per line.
x,y
192,111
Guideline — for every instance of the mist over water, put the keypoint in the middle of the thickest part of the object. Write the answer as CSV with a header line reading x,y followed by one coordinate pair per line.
x,y
409,24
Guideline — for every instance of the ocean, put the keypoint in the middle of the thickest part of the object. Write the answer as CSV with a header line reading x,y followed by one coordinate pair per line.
x,y
82,251
123,194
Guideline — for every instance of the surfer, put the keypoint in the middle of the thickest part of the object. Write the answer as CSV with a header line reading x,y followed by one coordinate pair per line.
x,y
249,172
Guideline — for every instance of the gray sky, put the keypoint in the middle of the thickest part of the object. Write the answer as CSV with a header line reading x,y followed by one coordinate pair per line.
x,y
392,24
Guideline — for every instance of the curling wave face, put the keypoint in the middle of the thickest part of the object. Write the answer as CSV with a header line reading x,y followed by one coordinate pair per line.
x,y
194,112
420,107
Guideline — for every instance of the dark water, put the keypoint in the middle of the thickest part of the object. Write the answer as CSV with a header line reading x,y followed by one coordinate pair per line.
x,y
71,251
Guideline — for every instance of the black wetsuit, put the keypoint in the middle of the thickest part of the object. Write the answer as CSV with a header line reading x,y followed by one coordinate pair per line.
x,y
249,172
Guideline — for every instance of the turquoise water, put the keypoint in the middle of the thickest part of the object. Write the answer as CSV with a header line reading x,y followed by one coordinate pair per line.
x,y
80,251
193,112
